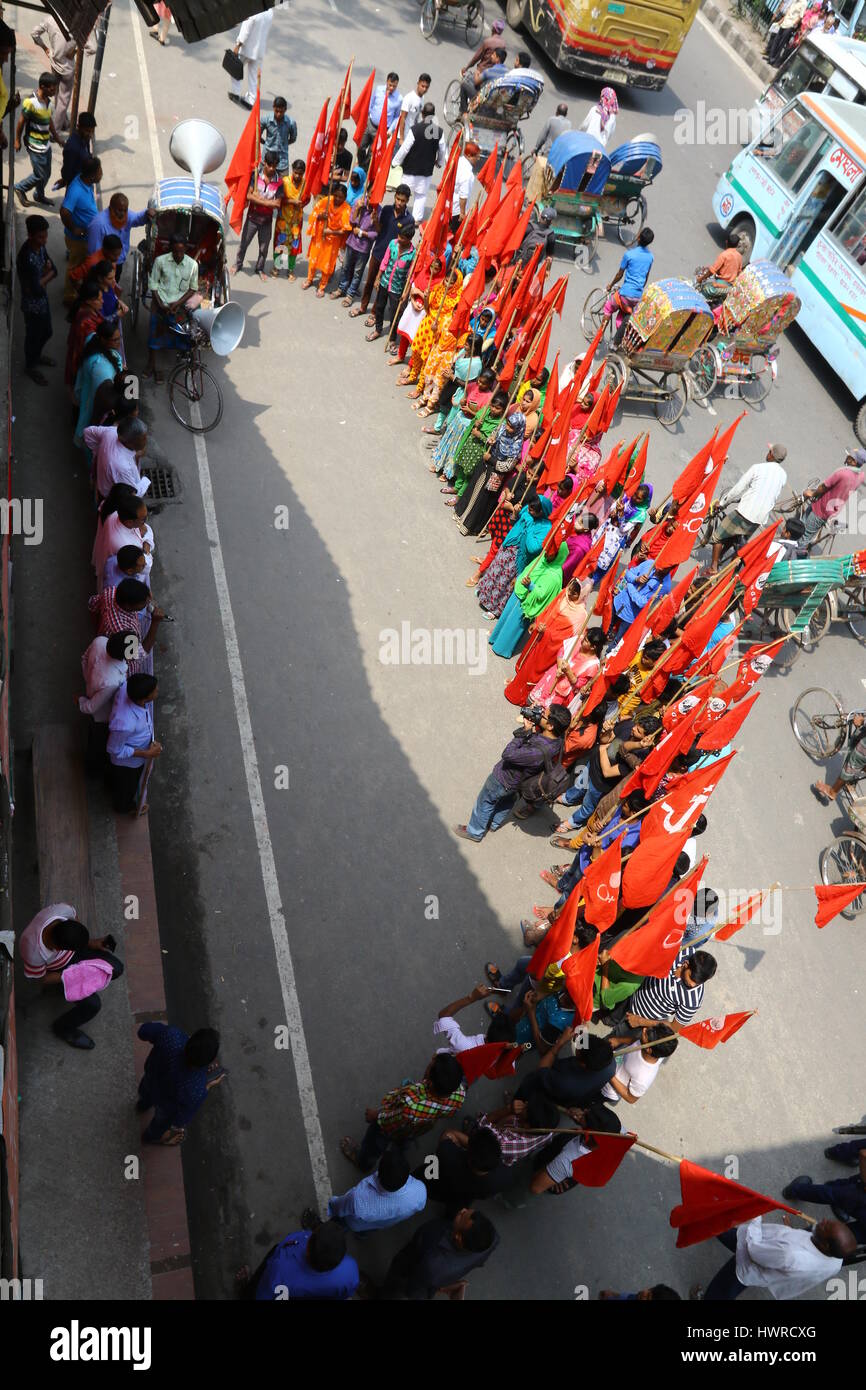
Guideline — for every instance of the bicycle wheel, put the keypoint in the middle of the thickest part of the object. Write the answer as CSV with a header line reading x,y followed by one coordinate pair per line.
x,y
587,257
703,371
453,103
633,217
671,405
855,611
845,862
513,146
474,22
818,722
135,292
195,397
816,627
591,313
757,386
429,18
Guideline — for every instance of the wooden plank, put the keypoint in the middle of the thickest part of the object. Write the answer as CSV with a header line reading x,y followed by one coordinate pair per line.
x,y
62,835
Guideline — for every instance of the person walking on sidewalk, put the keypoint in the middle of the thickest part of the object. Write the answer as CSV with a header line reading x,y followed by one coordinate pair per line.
x,y
178,1074
36,129
60,50
250,46
778,1258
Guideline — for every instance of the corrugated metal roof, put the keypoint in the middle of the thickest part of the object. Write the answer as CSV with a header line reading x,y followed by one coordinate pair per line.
x,y
196,19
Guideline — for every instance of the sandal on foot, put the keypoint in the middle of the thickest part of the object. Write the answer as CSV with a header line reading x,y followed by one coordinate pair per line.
x,y
320,294
350,1150
543,914
336,294
369,321
356,312
493,973
547,876
819,795
494,1009
371,337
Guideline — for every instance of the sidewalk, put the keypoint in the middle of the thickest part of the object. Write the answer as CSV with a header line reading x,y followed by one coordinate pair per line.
x,y
740,35
101,1215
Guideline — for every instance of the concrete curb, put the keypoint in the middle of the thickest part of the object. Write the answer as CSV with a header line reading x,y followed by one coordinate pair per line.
x,y
164,1194
748,49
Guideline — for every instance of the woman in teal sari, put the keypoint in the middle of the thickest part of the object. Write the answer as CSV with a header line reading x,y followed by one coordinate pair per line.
x,y
537,586
469,454
100,360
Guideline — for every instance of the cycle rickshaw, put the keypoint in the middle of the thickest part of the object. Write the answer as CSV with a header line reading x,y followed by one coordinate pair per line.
x,y
496,113
801,598
469,13
754,314
823,728
633,166
578,167
662,334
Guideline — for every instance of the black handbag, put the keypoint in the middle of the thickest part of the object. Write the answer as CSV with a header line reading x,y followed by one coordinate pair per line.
x,y
233,65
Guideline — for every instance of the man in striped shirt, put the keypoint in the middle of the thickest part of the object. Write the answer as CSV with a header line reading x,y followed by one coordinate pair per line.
x,y
673,1000
37,129
409,1111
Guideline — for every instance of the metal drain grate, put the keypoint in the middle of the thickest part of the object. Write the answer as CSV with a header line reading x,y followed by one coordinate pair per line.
x,y
164,483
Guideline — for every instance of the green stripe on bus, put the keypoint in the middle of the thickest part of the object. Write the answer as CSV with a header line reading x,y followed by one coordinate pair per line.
x,y
747,198
848,319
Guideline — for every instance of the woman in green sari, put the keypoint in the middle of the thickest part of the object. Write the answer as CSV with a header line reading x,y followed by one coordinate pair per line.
x,y
469,454
536,587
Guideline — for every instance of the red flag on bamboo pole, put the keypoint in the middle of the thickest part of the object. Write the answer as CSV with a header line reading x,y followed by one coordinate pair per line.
x,y
679,546
487,172
696,470
436,231
664,613
379,182
604,598
709,1032
539,356
610,411
360,112
377,151
620,657
592,424
653,948
492,1060
518,232
499,228
588,563
711,1204
596,1168
722,446
725,728
473,289
834,898
579,971
581,372
341,108
647,776
560,934
243,165
613,467
549,408
742,913
757,563
508,365
556,459
636,469
600,886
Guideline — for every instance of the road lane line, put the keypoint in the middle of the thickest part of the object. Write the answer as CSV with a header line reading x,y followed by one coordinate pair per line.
x,y
279,931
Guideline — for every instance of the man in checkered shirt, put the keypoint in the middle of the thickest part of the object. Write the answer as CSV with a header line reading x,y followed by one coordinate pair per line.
x,y
409,1111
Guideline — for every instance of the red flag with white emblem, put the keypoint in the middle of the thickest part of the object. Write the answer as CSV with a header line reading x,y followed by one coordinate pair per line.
x,y
653,948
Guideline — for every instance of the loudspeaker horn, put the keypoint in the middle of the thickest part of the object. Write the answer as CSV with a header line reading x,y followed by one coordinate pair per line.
x,y
198,147
224,326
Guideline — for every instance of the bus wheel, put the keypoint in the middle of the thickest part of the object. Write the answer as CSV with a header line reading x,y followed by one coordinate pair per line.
x,y
860,424
744,228
515,12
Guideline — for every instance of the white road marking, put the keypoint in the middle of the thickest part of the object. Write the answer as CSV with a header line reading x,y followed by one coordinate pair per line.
x,y
285,966
731,52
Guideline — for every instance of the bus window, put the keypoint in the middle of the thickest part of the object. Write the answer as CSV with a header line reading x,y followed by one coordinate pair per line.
x,y
850,230
803,144
804,72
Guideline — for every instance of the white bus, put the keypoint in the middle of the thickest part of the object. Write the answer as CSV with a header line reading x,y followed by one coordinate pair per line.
x,y
827,63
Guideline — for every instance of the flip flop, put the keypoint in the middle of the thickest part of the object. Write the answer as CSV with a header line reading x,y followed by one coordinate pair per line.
x,y
356,312
371,337
819,795
350,1150
547,877
369,321
320,294
493,973
307,285
336,294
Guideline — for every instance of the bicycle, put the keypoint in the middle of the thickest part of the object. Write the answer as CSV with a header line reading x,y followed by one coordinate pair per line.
x,y
822,728
193,391
796,506
473,21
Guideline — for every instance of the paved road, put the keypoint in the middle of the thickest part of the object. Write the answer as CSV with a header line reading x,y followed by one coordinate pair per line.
x,y
383,759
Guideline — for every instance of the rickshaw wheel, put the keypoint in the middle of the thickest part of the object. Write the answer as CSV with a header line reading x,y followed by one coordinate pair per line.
x,y
816,627
513,146
616,373
633,217
845,862
669,408
515,12
759,383
860,424
452,104
855,611
135,292
474,22
591,313
429,18
526,166
591,244
703,371
190,386
812,721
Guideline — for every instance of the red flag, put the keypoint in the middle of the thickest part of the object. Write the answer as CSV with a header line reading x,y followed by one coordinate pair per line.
x,y
592,425
611,409
556,461
611,471
649,773
493,1060
508,367
488,170
549,408
678,547
560,934
834,898
377,151
650,866
361,110
722,446
653,948
674,713
243,165
600,886
604,599
757,563
473,289
685,798
742,914
587,564
598,1166
724,729
518,231
635,471
523,288
756,661
667,609
379,182
340,110
709,1032
581,372
491,204
712,663
703,623
597,693
712,1204
695,472
501,225
436,231
536,453
579,971
595,380
316,152
624,653
539,356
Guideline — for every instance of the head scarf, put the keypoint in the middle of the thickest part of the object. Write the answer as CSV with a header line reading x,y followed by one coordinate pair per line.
x,y
528,533
607,105
353,194
508,445
545,576
635,513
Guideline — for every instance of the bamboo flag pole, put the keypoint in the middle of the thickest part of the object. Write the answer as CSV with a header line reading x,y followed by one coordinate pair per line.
x,y
499,350
342,100
767,646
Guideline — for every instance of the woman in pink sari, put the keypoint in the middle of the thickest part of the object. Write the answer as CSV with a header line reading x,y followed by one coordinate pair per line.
x,y
576,665
586,459
564,618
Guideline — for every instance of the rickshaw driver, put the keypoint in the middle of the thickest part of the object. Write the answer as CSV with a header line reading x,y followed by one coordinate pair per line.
x,y
173,286
634,270
854,766
715,280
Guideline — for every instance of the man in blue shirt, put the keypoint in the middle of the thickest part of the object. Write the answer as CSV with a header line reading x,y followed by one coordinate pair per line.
x,y
634,269
384,92
116,220
306,1265
387,219
382,1199
177,1076
76,213
278,132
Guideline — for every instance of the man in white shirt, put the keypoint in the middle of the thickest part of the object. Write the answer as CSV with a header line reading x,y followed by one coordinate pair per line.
x,y
412,103
756,495
447,1030
250,46
557,1176
778,1258
636,1071
421,151
464,180
105,666
116,450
